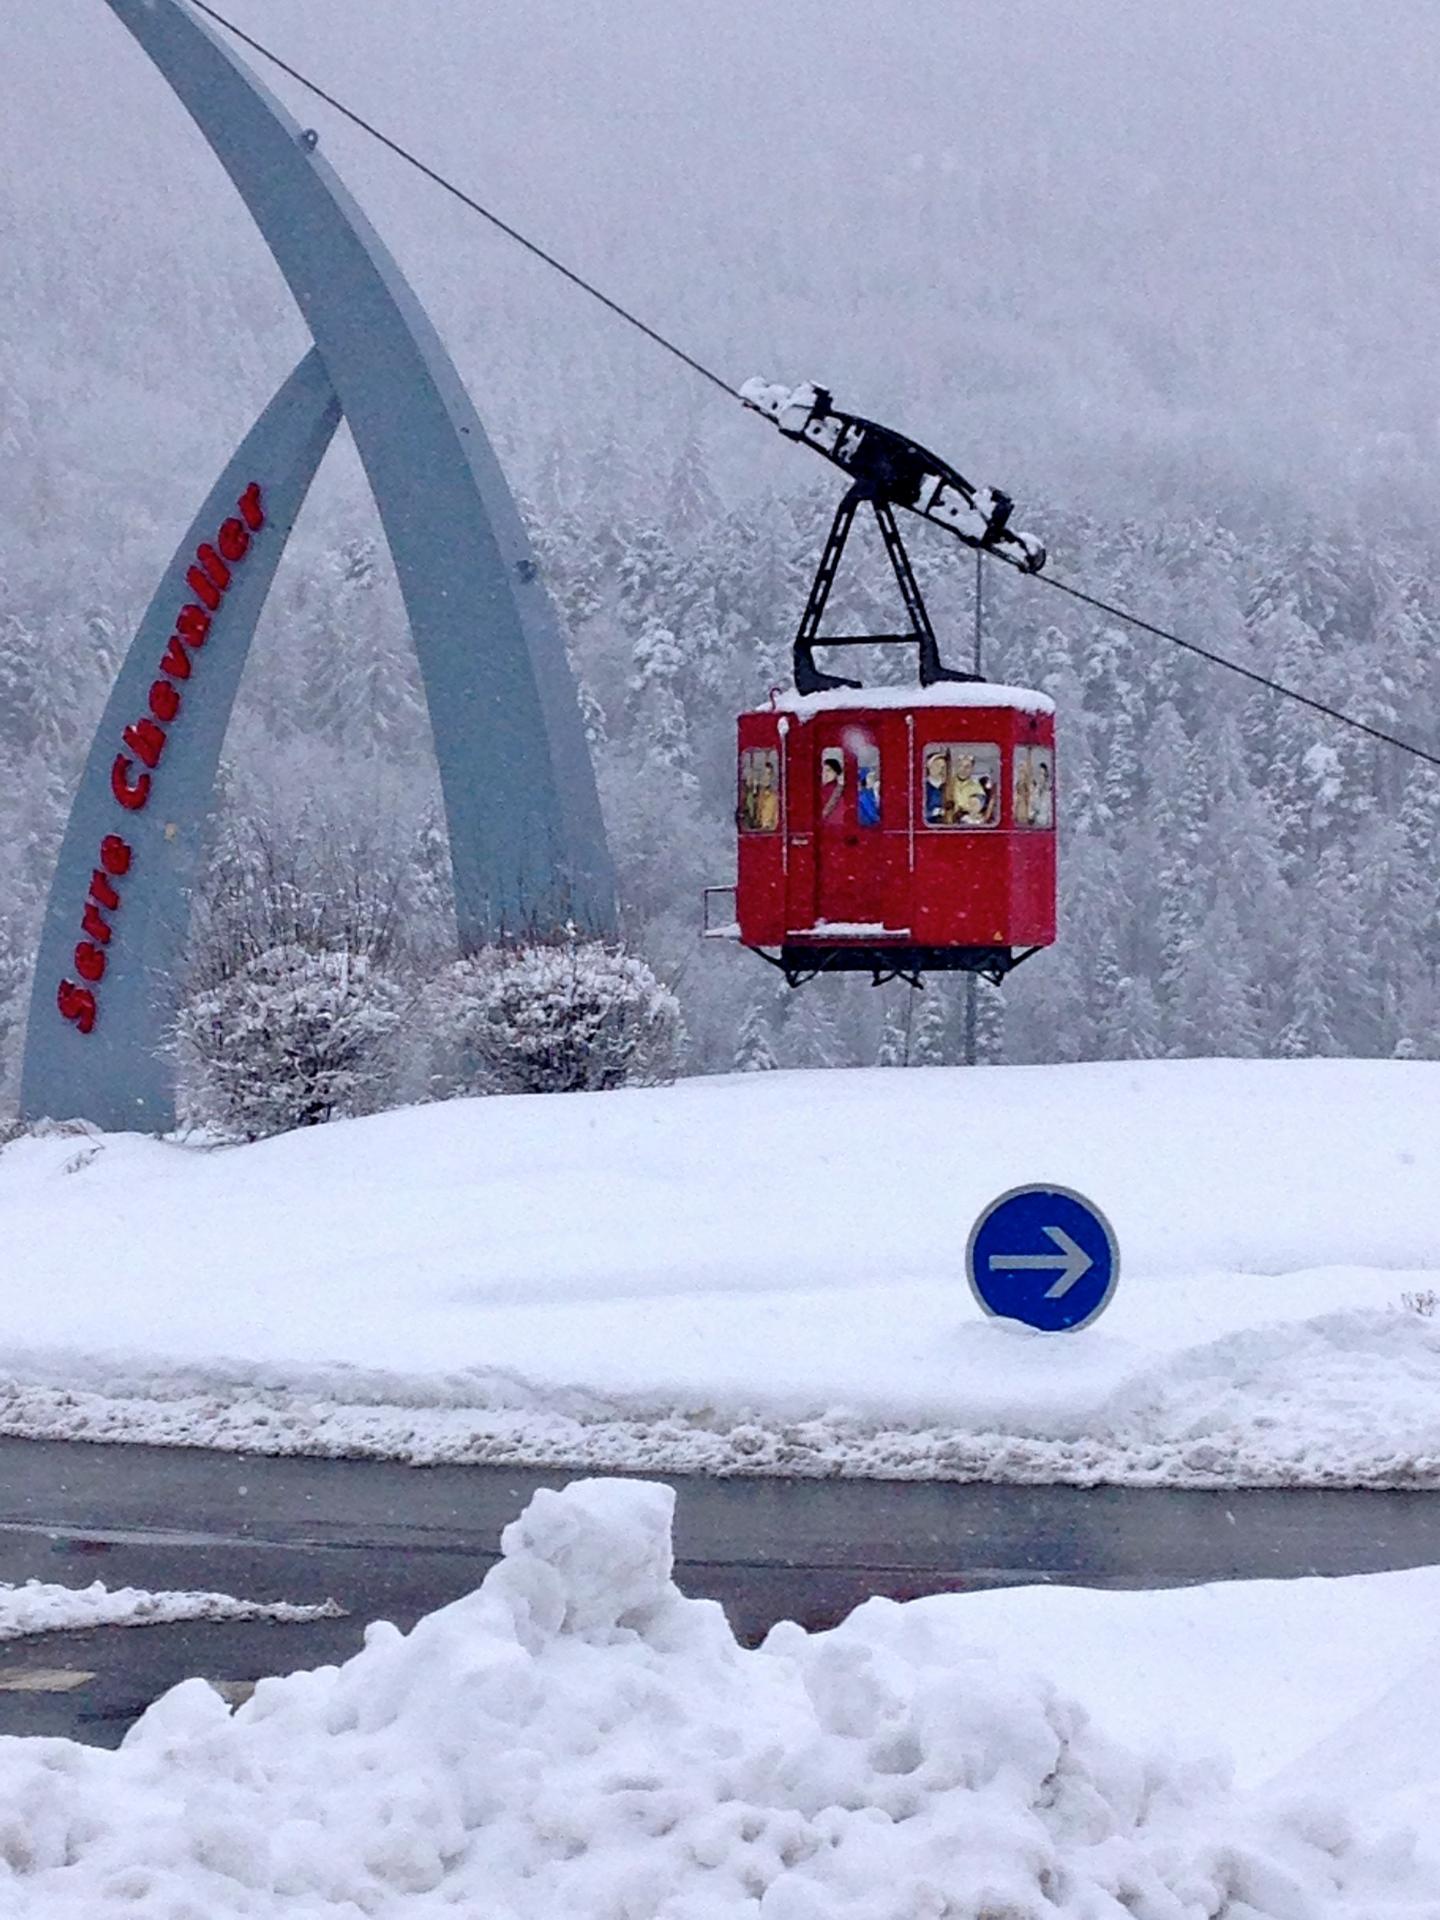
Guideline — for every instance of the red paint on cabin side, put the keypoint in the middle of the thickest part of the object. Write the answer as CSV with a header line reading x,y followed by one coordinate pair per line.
x,y
855,839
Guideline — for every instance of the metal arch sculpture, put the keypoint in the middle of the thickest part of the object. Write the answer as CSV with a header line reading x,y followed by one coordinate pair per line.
x,y
497,682
100,1009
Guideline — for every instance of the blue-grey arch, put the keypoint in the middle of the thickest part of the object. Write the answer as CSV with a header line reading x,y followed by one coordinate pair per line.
x,y
527,842
120,1074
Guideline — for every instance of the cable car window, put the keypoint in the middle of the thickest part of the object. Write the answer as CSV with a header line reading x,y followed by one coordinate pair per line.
x,y
867,784
832,783
961,781
759,790
1034,787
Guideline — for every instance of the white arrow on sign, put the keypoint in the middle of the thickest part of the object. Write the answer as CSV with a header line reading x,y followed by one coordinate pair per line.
x,y
1071,1262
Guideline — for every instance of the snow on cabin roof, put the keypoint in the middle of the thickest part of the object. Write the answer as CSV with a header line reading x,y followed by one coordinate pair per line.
x,y
955,693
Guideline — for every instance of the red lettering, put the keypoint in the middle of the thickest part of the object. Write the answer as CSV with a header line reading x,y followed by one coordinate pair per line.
x,y
233,541
214,566
202,589
147,739
93,923
76,1004
208,579
175,661
133,797
115,853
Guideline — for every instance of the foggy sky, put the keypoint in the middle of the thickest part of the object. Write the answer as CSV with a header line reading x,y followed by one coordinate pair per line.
x,y
1085,247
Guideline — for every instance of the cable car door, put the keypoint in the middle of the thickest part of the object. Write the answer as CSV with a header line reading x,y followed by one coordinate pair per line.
x,y
848,859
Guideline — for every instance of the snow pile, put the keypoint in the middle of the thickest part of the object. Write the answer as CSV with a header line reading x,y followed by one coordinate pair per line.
x,y
758,1273
576,1738
41,1607
789,407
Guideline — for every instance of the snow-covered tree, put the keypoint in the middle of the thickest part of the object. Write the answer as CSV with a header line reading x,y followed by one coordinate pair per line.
x,y
895,1032
754,1044
928,1030
14,981
813,1036
989,1022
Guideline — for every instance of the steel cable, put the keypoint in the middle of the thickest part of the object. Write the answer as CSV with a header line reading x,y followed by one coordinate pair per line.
x,y
707,373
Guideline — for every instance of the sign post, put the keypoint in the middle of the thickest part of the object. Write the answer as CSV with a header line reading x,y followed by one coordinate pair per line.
x,y
1043,1255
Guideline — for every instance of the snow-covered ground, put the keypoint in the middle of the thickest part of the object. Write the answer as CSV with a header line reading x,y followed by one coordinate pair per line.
x,y
577,1738
757,1273
40,1606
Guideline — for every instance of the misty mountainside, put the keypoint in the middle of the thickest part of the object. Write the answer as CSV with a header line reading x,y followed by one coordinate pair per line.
x,y
1160,276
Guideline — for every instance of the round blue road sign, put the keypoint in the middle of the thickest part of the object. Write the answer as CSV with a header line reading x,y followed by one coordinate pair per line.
x,y
1043,1255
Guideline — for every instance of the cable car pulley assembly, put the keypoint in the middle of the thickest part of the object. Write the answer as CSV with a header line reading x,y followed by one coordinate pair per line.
x,y
887,470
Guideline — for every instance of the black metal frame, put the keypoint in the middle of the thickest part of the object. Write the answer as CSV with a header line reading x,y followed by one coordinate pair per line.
x,y
808,677
800,964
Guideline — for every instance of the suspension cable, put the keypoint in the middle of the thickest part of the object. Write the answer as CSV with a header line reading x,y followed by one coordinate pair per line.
x,y
465,199
708,373
1234,666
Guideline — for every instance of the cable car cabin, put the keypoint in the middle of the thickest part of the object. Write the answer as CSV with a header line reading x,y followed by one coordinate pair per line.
x,y
897,831
894,831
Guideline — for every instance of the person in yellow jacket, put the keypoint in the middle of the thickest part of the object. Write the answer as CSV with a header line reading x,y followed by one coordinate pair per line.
x,y
969,799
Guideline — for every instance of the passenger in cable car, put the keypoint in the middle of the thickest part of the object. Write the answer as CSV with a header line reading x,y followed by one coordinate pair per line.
x,y
867,793
759,791
832,783
1042,805
970,798
1024,789
937,779
767,804
1034,795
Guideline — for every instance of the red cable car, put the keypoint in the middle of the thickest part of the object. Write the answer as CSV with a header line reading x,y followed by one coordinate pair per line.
x,y
898,831
888,830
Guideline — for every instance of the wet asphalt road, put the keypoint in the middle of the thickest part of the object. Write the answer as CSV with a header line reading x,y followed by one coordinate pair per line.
x,y
392,1542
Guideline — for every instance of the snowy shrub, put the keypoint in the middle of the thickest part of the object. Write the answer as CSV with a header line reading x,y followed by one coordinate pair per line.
x,y
293,1037
14,1128
565,1018
1425,1302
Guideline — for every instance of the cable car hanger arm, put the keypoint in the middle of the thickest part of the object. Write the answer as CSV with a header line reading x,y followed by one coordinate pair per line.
x,y
886,471
888,467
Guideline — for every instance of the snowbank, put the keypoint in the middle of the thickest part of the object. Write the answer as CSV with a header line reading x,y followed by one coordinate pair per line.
x,y
757,1273
576,1738
42,1607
